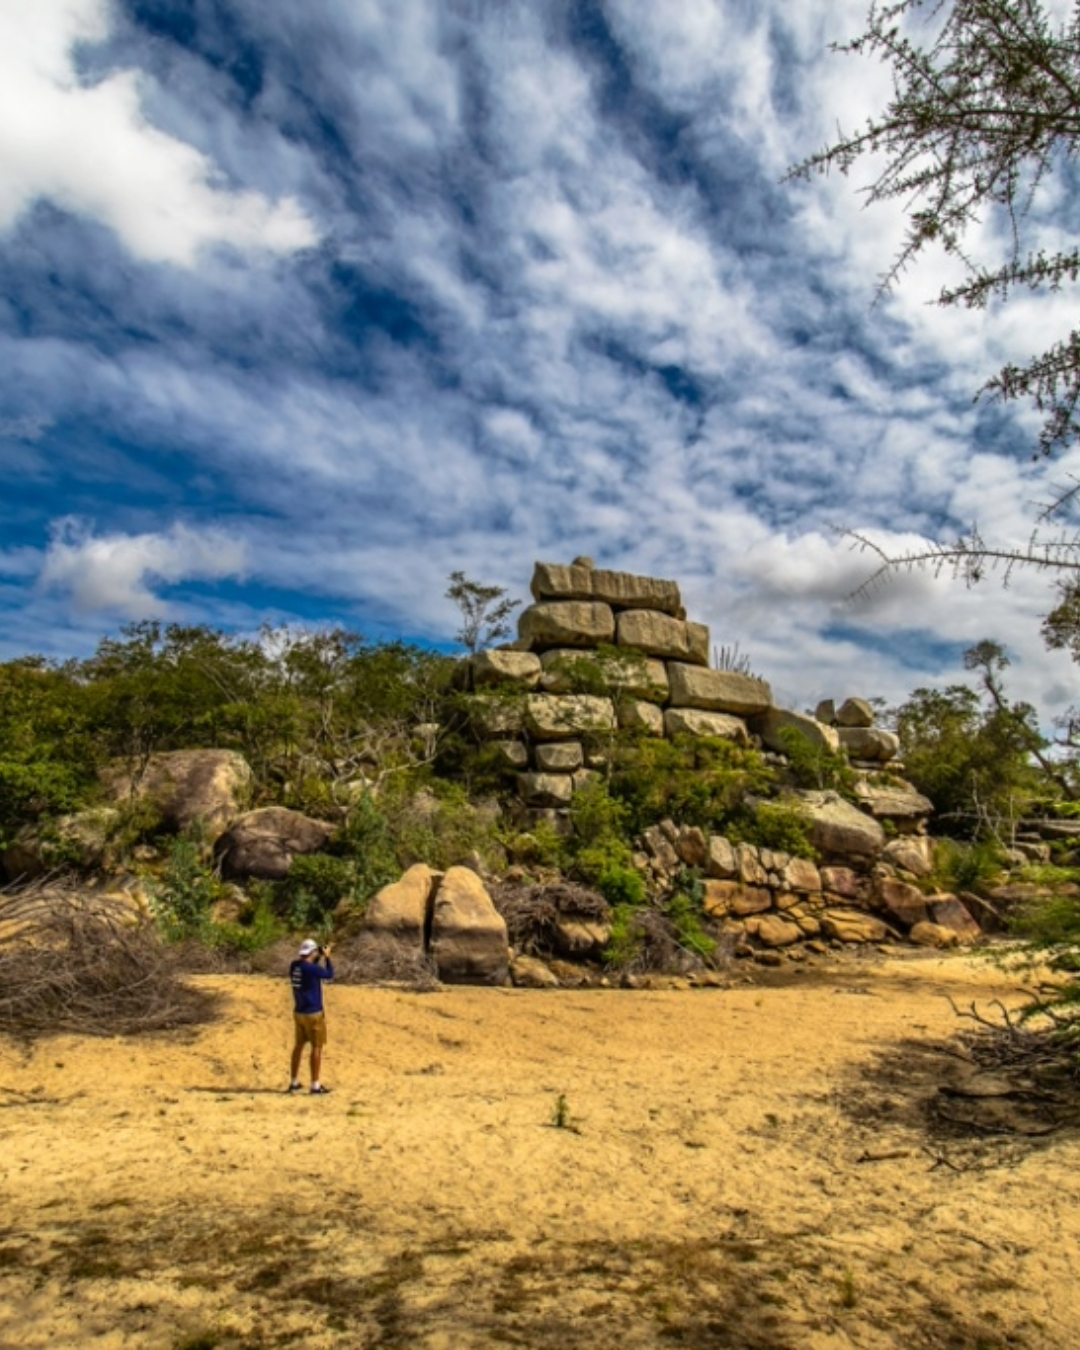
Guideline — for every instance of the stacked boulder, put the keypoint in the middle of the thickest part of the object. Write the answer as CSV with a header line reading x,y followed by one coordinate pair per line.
x,y
866,745
653,669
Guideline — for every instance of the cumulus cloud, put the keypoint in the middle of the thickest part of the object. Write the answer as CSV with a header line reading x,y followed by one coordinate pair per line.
x,y
562,306
113,574
89,149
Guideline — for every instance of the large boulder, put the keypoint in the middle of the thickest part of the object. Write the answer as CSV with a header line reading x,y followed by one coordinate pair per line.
x,y
505,667
398,914
800,874
624,590
949,912
263,843
771,725
723,691
913,853
855,712
79,840
655,634
869,743
468,935
546,789
902,902
905,808
551,717
840,830
852,926
695,722
560,757
637,715
556,581
723,898
186,787
629,673
566,623
773,931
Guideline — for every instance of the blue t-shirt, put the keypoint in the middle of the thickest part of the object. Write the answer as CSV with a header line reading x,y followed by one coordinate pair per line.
x,y
307,978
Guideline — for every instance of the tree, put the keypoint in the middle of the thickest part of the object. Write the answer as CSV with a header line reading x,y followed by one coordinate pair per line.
x,y
985,111
972,753
485,611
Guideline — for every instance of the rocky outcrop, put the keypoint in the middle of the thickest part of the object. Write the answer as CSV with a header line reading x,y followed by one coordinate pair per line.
x,y
186,787
566,623
263,843
447,918
398,915
80,840
840,830
468,935
723,691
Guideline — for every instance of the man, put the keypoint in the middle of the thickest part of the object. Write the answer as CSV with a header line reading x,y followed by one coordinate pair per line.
x,y
306,976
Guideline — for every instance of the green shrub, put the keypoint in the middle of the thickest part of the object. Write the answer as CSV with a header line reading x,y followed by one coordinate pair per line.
x,y
261,928
621,885
965,867
783,826
367,841
694,781
684,911
187,889
627,936
316,884
816,766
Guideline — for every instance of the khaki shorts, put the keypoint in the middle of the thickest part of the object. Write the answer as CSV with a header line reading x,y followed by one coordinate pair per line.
x,y
310,1029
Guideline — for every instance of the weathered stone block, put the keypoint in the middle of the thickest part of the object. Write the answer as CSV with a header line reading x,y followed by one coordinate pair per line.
x,y
468,935
838,829
623,590
546,789
869,743
695,722
399,912
551,717
849,926
717,690
553,581
559,757
949,912
800,874
905,903
661,635
627,673
512,754
855,712
636,715
722,861
496,718
566,623
770,726
505,667
773,931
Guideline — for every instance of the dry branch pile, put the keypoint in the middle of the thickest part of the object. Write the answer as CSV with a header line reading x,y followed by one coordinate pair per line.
x,y
72,961
533,911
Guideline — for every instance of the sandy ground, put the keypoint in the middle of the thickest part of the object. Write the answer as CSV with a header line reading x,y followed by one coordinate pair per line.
x,y
740,1168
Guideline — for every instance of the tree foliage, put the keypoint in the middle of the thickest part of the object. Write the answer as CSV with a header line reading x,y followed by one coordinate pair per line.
x,y
973,752
985,109
485,611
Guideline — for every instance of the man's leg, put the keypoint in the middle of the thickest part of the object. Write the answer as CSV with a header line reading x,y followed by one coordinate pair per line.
x,y
316,1063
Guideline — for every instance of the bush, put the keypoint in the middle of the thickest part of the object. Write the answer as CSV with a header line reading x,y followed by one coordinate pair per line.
x,y
182,898
965,867
694,781
816,766
783,826
315,886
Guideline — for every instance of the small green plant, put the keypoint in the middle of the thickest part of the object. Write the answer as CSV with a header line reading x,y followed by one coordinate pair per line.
x,y
849,1296
783,826
183,897
815,766
684,911
626,937
965,867
561,1118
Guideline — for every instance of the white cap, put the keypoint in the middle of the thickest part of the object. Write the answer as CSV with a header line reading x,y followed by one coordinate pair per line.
x,y
308,946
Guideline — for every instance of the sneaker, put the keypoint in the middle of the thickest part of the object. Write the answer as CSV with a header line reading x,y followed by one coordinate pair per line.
x,y
294,1088
320,1091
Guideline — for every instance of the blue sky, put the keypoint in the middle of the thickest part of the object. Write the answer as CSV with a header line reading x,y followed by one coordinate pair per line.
x,y
304,307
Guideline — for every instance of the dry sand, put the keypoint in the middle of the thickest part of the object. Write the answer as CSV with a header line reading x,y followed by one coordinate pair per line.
x,y
739,1172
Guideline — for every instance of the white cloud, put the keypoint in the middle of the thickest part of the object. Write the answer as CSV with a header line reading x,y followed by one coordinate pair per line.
x,y
114,573
90,150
